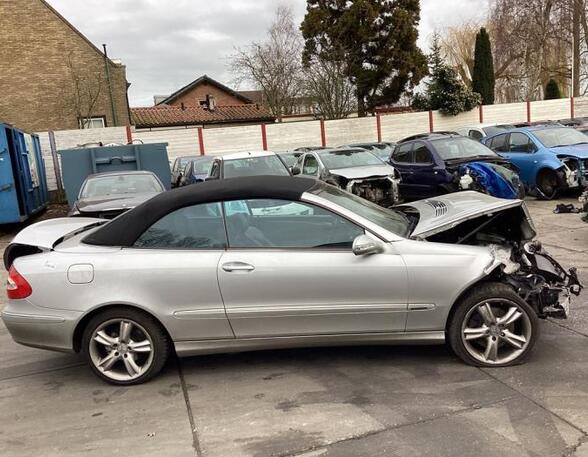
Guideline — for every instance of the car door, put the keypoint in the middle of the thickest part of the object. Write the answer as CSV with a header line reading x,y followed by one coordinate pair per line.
x,y
293,273
172,270
522,152
425,177
402,161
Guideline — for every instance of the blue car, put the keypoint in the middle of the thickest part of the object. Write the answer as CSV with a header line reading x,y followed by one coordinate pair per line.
x,y
196,170
549,157
440,163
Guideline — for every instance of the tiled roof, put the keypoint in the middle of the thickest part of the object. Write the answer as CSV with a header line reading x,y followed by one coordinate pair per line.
x,y
169,116
204,79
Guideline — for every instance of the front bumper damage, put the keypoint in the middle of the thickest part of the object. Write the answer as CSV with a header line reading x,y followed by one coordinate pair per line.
x,y
380,190
573,173
539,279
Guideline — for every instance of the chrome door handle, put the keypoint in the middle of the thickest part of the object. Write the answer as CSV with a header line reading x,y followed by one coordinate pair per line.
x,y
237,266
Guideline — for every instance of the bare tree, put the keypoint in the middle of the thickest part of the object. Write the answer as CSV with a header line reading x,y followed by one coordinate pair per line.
x,y
273,65
330,90
81,95
457,44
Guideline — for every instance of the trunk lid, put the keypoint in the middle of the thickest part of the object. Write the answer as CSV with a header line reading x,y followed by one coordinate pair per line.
x,y
46,234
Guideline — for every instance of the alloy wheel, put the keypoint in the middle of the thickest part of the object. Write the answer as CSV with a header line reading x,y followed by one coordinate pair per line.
x,y
496,331
121,349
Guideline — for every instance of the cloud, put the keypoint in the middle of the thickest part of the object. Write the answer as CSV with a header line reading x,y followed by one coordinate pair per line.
x,y
165,45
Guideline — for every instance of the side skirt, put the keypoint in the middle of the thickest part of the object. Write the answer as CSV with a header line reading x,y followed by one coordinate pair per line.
x,y
189,348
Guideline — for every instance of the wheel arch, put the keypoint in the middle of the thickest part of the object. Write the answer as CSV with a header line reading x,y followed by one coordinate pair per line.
x,y
83,321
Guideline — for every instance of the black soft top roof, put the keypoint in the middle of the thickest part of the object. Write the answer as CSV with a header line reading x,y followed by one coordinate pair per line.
x,y
126,229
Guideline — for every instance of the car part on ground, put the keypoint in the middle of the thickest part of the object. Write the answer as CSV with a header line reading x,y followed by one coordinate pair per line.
x,y
219,267
355,170
550,157
107,195
440,164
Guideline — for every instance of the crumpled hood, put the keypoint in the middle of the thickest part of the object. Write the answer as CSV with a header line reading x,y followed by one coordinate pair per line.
x,y
369,171
495,179
579,150
446,211
114,202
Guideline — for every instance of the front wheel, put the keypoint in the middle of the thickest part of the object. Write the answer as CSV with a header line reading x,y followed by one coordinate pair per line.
x,y
125,346
493,327
547,184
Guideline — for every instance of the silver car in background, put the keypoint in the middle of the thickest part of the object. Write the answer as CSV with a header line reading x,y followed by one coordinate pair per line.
x,y
219,267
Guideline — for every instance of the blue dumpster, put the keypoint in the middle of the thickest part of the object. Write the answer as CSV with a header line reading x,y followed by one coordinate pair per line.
x,y
23,182
78,164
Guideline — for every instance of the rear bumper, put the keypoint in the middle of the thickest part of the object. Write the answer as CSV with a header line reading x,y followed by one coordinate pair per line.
x,y
44,328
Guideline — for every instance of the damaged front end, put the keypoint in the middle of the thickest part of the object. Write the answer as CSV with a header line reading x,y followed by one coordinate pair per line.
x,y
380,190
573,173
489,178
507,230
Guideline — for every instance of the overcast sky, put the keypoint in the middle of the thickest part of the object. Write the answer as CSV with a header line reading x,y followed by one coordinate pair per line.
x,y
166,44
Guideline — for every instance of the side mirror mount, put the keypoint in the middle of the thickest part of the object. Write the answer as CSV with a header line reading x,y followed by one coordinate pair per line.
x,y
366,245
295,170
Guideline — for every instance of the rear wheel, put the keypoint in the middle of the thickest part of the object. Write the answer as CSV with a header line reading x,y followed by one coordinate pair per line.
x,y
125,346
493,327
547,184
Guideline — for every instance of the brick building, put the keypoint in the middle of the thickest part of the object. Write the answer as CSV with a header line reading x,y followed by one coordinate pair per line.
x,y
204,102
52,76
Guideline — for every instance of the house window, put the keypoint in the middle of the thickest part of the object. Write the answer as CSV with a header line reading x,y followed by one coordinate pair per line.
x,y
93,122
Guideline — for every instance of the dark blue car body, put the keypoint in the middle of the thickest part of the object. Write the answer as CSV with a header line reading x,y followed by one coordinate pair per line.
x,y
197,170
549,157
435,164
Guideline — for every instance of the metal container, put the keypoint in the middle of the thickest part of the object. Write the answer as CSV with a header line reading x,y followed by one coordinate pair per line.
x,y
78,164
23,181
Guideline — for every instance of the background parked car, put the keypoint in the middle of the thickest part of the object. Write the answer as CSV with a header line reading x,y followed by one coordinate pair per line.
x,y
477,132
549,157
289,157
197,170
106,195
356,170
381,150
309,148
178,168
247,164
437,164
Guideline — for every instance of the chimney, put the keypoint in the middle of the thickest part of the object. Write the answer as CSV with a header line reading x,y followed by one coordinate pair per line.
x,y
183,106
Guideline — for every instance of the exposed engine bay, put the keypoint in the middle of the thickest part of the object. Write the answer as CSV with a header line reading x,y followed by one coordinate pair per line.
x,y
574,172
381,190
518,260
490,178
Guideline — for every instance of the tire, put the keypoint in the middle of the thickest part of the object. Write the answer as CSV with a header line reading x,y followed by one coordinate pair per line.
x,y
498,344
521,191
547,185
141,354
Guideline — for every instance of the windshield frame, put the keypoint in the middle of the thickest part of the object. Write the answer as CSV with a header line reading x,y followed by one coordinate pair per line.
x,y
370,215
83,189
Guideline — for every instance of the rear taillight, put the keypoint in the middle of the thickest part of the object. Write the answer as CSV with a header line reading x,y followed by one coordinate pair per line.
x,y
17,287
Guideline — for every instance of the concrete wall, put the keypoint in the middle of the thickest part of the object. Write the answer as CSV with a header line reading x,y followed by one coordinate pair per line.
x,y
291,135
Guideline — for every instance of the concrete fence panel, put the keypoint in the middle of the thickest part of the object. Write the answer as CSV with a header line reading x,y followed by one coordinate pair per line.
x,y
346,131
398,126
293,135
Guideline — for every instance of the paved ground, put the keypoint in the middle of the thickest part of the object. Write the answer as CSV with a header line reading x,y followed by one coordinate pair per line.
x,y
362,401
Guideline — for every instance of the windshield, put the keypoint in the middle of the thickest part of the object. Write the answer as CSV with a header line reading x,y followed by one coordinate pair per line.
x,y
101,186
460,148
290,158
495,129
202,166
389,219
254,166
560,136
347,158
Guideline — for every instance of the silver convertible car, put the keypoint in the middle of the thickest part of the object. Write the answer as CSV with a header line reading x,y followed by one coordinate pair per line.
x,y
272,262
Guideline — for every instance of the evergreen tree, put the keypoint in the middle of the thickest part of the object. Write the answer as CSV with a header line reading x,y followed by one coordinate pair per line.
x,y
374,39
444,91
483,76
552,90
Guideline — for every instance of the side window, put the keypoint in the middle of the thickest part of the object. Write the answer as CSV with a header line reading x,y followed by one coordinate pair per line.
x,y
403,153
476,135
311,165
421,154
288,224
192,227
519,142
498,143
